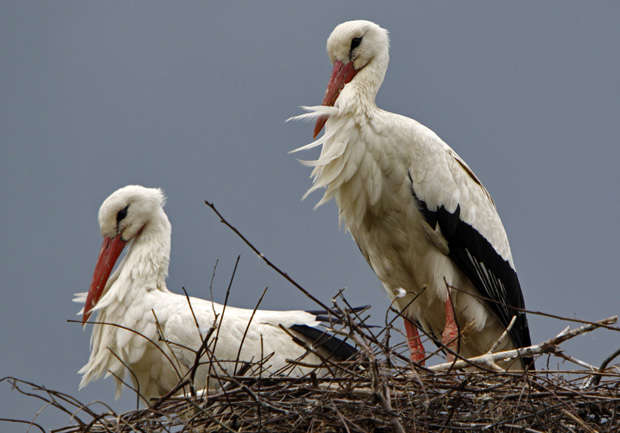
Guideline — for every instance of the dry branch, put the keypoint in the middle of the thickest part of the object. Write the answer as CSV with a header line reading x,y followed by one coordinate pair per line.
x,y
489,360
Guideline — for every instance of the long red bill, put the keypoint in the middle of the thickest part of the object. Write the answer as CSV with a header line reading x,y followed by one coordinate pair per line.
x,y
341,75
110,251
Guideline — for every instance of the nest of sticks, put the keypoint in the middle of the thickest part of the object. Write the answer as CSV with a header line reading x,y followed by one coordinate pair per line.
x,y
379,390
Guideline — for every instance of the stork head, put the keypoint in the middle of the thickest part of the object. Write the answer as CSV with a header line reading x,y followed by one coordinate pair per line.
x,y
122,217
353,46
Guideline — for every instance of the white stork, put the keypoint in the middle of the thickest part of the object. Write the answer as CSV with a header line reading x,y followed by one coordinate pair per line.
x,y
153,334
421,218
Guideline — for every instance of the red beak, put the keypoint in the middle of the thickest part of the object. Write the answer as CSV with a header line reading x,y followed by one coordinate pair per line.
x,y
110,250
341,75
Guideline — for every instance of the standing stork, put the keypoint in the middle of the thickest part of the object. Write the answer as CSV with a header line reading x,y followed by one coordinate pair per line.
x,y
425,224
153,334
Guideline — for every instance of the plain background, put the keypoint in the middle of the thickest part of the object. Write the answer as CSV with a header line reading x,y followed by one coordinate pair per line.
x,y
192,97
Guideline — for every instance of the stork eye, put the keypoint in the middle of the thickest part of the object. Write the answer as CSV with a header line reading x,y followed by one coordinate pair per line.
x,y
121,214
355,42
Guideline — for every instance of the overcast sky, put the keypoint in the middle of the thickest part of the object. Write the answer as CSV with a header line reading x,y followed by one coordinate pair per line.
x,y
192,97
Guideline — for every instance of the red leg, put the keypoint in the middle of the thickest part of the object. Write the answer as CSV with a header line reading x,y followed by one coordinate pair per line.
x,y
450,334
416,350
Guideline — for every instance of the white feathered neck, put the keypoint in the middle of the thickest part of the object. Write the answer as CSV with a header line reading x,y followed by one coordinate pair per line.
x,y
145,265
349,167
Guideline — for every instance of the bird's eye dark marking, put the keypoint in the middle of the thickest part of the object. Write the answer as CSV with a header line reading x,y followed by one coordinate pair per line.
x,y
355,42
121,214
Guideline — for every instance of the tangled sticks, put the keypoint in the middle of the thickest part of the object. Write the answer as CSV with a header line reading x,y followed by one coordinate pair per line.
x,y
380,391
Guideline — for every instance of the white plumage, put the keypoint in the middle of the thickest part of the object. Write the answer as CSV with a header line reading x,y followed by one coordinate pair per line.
x,y
420,216
151,333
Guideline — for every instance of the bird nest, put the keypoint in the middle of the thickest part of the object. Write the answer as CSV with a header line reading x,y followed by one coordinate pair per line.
x,y
378,390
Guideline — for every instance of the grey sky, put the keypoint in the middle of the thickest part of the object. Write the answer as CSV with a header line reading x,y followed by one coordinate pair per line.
x,y
192,97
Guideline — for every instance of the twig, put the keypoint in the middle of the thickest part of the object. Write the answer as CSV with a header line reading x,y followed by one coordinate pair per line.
x,y
265,259
538,313
504,335
247,328
21,421
596,379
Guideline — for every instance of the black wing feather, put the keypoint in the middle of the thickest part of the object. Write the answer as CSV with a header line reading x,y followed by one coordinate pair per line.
x,y
486,269
334,316
334,346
